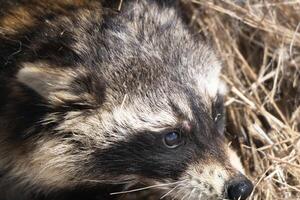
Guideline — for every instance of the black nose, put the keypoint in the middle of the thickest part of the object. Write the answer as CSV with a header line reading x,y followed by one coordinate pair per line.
x,y
239,188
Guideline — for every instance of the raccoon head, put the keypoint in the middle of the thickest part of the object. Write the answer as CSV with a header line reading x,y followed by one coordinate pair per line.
x,y
143,104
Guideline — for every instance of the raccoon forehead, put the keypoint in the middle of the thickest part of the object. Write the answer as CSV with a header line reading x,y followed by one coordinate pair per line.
x,y
146,59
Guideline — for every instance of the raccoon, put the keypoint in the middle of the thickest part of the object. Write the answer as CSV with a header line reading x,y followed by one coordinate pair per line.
x,y
98,97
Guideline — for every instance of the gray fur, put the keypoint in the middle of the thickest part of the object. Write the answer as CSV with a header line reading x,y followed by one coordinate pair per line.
x,y
119,76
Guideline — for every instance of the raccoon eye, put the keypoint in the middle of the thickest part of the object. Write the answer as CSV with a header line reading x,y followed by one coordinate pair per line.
x,y
218,113
218,117
172,139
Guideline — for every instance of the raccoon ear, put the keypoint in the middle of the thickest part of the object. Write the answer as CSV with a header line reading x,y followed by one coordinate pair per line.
x,y
50,83
63,86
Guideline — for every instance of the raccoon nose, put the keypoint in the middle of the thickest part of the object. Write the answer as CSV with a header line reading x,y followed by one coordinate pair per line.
x,y
239,188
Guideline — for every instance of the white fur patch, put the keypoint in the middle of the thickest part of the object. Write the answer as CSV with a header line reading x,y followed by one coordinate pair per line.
x,y
210,180
235,161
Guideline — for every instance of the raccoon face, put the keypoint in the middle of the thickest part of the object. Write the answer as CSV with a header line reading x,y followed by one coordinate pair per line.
x,y
142,103
171,136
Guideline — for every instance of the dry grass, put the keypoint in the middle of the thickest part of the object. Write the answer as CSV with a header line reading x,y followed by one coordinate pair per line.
x,y
259,43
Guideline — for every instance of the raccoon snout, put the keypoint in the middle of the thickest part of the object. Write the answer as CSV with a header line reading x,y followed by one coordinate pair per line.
x,y
239,188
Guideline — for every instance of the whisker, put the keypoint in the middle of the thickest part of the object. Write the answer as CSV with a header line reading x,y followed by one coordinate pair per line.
x,y
200,196
108,181
177,193
185,196
146,188
191,193
169,192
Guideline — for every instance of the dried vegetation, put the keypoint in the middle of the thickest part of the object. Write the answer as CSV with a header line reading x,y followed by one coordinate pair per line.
x,y
259,44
